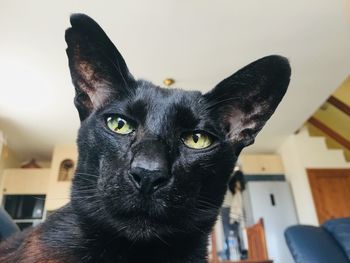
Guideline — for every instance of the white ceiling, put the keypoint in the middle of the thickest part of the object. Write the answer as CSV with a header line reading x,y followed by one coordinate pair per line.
x,y
197,42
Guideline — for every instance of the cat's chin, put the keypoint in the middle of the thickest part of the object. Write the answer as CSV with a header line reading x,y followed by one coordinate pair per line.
x,y
135,234
142,229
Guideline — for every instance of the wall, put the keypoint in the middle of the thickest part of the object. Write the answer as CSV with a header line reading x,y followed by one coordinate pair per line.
x,y
7,160
298,153
59,191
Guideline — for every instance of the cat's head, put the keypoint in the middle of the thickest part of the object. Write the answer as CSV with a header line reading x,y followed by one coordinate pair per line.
x,y
154,162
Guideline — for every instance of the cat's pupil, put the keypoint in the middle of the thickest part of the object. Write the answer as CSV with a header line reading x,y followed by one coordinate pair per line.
x,y
195,138
121,123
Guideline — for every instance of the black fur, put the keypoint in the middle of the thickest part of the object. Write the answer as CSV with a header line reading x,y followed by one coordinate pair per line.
x,y
108,218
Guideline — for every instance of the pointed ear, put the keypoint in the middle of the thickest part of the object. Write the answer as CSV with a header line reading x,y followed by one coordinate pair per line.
x,y
246,100
98,71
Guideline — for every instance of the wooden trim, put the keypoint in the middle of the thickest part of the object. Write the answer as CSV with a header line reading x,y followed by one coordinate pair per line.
x,y
214,254
257,242
337,137
249,261
339,105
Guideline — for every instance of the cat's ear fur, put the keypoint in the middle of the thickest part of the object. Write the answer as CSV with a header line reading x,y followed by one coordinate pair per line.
x,y
246,100
99,72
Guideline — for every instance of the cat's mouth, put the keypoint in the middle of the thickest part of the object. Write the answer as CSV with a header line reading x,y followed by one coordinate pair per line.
x,y
143,219
141,224
139,209
142,229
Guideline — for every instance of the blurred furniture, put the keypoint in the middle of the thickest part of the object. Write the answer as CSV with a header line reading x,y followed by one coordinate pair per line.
x,y
249,261
257,242
257,252
327,243
7,226
32,164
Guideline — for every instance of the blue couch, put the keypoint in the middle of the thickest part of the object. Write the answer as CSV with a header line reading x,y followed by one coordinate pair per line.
x,y
7,226
329,243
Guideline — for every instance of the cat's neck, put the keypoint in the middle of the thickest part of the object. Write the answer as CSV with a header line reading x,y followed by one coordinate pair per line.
x,y
100,245
190,249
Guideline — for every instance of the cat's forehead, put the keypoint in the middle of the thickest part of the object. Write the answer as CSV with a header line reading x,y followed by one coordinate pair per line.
x,y
157,96
153,105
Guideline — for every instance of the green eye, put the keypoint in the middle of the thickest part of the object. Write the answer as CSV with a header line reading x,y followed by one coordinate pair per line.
x,y
197,140
119,125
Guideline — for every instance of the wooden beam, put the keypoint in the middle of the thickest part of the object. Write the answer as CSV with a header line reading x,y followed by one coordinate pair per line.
x,y
339,105
337,137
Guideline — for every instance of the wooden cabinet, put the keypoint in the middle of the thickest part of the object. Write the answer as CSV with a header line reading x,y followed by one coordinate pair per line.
x,y
25,181
261,164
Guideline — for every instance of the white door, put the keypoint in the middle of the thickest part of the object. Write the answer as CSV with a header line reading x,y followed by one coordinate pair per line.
x,y
273,201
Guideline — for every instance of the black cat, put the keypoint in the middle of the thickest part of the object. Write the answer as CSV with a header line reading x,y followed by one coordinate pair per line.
x,y
153,163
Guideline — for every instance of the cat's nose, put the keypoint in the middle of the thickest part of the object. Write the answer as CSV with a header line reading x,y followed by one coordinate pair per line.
x,y
149,167
148,181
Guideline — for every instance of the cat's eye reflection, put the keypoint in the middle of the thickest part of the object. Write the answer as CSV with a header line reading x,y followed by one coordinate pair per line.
x,y
119,125
197,140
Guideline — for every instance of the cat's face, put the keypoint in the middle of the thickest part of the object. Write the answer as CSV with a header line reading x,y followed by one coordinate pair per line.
x,y
154,162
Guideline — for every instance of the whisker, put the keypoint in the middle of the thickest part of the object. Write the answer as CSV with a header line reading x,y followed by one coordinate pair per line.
x,y
87,174
84,191
158,236
90,180
208,204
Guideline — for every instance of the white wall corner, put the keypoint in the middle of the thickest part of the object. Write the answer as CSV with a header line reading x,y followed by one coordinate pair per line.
x,y
1,142
295,172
